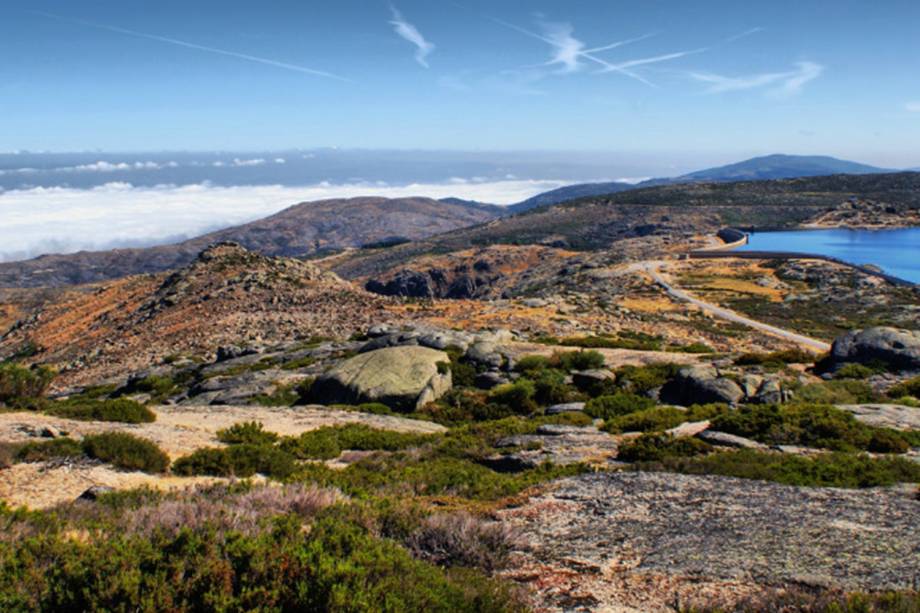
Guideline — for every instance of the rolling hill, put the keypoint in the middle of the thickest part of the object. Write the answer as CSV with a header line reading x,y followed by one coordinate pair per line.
x,y
777,166
303,229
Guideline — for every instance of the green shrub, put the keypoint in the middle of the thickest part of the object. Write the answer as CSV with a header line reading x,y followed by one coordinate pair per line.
x,y
299,363
118,410
696,347
377,408
550,388
650,420
42,451
854,371
282,396
337,565
776,359
247,433
243,461
19,384
531,365
615,405
580,360
843,391
657,447
126,451
517,396
837,469
911,387
641,379
159,387
813,425
329,442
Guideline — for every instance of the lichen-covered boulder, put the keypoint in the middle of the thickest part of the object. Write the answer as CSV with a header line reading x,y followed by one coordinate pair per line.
x,y
897,349
403,378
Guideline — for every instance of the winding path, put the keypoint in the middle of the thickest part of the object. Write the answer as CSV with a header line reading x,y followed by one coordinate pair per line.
x,y
652,269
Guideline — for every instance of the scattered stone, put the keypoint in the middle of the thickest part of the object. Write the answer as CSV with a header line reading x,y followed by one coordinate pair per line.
x,y
724,439
568,407
589,378
689,429
485,354
95,492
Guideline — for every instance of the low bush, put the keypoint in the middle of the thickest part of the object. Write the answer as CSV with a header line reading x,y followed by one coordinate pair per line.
x,y
693,348
614,405
911,387
531,365
460,539
854,371
641,379
517,396
19,384
776,359
840,391
655,419
657,447
159,387
247,433
812,425
329,442
636,341
242,460
337,565
282,396
42,451
579,360
118,410
126,451
550,388
837,469
817,600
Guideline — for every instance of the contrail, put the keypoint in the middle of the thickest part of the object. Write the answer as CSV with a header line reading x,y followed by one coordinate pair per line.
x,y
188,45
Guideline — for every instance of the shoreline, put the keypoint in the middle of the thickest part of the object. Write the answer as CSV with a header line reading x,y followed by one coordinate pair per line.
x,y
728,250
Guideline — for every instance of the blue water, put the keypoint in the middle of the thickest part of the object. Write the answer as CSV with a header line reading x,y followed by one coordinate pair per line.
x,y
897,252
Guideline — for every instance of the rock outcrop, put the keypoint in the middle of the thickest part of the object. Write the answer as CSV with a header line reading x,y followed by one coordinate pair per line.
x,y
700,385
403,378
897,349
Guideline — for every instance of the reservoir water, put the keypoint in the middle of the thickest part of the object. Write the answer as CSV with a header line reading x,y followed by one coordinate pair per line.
x,y
897,251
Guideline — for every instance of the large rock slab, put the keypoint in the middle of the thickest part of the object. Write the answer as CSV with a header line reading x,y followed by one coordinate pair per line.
x,y
895,416
623,541
403,378
899,349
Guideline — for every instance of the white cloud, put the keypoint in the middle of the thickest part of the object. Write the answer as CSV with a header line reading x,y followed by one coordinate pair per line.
x,y
100,166
410,33
63,220
912,107
787,83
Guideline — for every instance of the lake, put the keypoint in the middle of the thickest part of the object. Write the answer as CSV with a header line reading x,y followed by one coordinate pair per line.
x,y
897,252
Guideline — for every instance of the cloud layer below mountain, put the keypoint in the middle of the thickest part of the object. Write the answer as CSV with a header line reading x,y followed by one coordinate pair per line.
x,y
64,220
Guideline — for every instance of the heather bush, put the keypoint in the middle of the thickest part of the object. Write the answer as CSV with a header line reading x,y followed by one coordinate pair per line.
x,y
617,404
641,379
91,409
655,419
329,442
517,396
657,447
250,432
460,539
126,451
910,387
243,460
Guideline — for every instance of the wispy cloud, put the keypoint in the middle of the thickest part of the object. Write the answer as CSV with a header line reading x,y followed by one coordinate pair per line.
x,y
787,83
196,46
568,51
409,32
912,107
744,34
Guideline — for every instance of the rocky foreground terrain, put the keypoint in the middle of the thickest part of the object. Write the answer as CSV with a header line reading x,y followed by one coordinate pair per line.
x,y
579,419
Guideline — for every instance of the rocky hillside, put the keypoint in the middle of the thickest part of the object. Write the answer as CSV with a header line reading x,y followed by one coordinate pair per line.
x,y
300,230
226,296
675,211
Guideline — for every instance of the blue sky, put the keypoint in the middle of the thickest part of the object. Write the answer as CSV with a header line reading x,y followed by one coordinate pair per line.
x,y
712,78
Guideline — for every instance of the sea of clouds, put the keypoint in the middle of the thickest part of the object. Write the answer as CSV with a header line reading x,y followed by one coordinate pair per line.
x,y
41,220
